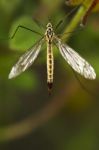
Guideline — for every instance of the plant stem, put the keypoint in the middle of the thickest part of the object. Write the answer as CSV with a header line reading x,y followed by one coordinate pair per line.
x,y
76,20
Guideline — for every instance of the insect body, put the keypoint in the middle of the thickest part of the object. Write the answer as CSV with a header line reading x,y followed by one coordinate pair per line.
x,y
79,64
50,60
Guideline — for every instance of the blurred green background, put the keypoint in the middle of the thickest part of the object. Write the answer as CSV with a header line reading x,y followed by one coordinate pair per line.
x,y
29,117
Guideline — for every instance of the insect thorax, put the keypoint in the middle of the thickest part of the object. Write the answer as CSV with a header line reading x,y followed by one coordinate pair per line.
x,y
49,32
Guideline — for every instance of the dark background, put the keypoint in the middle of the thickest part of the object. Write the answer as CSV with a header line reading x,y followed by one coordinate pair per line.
x,y
29,117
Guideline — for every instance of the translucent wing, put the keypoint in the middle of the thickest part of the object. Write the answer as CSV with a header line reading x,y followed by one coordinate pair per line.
x,y
76,61
26,60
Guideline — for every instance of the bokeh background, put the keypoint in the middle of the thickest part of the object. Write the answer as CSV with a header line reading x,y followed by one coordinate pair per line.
x,y
29,117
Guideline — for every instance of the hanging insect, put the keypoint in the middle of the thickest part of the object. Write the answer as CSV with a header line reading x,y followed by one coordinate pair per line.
x,y
73,58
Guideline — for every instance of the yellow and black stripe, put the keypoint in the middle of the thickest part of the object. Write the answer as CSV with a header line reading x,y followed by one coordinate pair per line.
x,y
50,66
50,60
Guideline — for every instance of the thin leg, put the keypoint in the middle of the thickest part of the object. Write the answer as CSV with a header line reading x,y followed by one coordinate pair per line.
x,y
89,91
20,26
39,23
67,15
72,32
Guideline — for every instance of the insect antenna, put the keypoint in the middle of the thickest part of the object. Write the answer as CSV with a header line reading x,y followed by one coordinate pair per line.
x,y
49,19
39,23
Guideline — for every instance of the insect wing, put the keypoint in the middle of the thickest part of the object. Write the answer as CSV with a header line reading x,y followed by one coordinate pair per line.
x,y
76,61
26,60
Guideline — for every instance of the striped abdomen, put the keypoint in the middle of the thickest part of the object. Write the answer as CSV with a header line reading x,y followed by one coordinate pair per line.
x,y
50,66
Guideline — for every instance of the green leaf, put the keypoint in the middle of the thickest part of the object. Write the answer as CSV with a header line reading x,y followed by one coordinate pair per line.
x,y
24,39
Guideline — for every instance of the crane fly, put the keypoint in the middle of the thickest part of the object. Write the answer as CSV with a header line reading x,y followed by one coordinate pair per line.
x,y
77,63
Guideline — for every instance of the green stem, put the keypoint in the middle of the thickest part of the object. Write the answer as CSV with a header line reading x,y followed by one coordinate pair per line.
x,y
76,20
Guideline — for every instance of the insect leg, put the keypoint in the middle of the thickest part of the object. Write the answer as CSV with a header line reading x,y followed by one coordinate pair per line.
x,y
18,27
67,15
72,32
39,23
89,91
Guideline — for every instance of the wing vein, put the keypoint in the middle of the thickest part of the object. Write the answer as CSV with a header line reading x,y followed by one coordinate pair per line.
x,y
26,60
78,63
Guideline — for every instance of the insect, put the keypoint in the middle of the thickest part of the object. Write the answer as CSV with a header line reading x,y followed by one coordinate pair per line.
x,y
77,63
